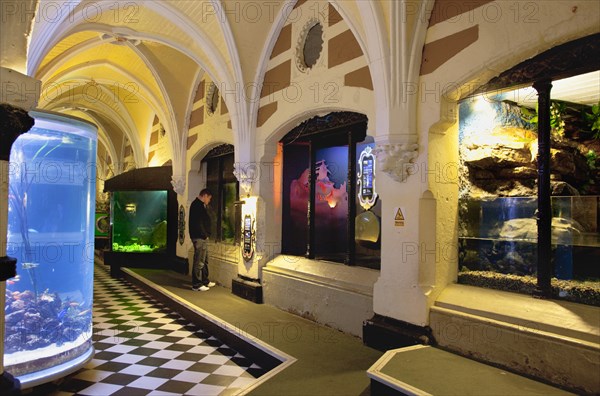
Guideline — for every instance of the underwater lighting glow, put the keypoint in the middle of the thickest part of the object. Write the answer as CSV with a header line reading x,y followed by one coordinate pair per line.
x,y
332,202
481,117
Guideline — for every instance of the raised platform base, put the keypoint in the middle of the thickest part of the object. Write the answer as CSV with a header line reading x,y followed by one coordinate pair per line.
x,y
247,345
424,370
337,295
555,341
385,333
55,372
247,289
116,260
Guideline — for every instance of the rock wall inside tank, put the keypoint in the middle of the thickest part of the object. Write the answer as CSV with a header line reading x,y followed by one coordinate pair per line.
x,y
498,187
498,150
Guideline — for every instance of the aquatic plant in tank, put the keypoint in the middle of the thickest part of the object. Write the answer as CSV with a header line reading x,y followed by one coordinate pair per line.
x,y
51,233
139,220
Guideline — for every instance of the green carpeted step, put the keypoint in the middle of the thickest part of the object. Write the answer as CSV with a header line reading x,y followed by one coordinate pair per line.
x,y
422,370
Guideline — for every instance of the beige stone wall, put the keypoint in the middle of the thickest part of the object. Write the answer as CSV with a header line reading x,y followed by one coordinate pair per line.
x,y
464,50
128,157
292,93
159,147
207,128
480,42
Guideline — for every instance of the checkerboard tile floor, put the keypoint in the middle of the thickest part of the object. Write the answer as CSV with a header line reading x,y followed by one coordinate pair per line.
x,y
144,348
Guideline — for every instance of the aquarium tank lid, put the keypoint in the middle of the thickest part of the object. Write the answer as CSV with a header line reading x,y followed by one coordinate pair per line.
x,y
142,179
64,123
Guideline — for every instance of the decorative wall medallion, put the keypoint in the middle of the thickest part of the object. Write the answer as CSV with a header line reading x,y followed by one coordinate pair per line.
x,y
367,195
102,225
181,224
310,45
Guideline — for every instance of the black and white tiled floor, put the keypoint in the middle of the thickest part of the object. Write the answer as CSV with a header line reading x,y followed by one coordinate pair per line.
x,y
144,348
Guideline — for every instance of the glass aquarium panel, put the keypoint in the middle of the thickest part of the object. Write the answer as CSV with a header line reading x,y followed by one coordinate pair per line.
x,y
228,214
498,188
228,168
500,235
331,203
296,190
213,207
51,233
139,221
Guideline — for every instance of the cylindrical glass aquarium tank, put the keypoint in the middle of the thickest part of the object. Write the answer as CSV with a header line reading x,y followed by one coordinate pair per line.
x,y
48,329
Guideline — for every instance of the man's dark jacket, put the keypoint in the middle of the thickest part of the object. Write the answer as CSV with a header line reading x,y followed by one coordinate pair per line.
x,y
199,222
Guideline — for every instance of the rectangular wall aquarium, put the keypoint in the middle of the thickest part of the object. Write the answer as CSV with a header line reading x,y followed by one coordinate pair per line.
x,y
144,221
48,307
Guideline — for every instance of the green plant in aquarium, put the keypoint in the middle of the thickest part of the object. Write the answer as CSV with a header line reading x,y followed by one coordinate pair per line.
x,y
529,115
557,124
591,158
593,120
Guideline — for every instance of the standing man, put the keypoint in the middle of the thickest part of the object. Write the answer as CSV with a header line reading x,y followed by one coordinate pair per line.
x,y
199,228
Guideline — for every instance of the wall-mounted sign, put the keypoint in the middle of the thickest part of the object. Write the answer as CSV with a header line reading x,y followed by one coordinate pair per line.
x,y
248,238
367,195
399,218
181,225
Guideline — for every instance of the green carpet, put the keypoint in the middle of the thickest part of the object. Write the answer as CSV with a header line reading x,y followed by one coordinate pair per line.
x,y
329,362
438,372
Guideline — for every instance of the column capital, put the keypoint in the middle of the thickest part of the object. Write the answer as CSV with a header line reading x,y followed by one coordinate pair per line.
x,y
393,159
178,183
19,90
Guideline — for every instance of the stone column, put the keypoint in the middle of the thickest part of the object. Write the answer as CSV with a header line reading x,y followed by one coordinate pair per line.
x,y
401,296
18,94
257,181
13,122
247,284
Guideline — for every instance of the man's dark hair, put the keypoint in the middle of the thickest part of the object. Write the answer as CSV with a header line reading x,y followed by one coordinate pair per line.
x,y
204,192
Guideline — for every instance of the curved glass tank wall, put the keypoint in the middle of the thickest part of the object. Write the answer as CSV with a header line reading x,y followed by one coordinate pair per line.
x,y
51,233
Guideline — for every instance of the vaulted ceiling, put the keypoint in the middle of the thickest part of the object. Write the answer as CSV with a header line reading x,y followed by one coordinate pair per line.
x,y
119,64
125,64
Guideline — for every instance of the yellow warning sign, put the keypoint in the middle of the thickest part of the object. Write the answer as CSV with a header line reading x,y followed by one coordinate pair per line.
x,y
399,219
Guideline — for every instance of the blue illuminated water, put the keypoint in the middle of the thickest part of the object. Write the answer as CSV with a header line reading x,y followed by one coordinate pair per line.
x,y
51,233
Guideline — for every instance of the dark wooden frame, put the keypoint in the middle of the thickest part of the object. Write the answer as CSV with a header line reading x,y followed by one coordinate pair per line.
x,y
340,128
217,156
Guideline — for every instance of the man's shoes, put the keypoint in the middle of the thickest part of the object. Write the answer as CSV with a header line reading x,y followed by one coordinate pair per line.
x,y
201,288
211,284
